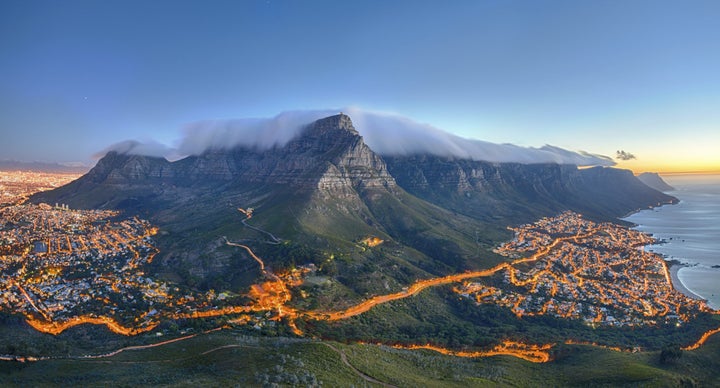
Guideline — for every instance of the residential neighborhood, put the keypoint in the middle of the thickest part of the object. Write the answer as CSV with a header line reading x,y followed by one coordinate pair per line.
x,y
603,278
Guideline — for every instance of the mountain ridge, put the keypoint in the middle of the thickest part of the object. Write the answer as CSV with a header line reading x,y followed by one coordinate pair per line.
x,y
325,190
476,187
330,144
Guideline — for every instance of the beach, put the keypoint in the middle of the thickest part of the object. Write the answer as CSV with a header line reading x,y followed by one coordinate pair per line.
x,y
688,235
678,285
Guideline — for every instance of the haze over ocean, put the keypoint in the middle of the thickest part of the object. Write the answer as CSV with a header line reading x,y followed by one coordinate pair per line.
x,y
692,231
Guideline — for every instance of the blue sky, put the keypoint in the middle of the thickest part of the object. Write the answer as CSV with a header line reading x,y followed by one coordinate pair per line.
x,y
76,76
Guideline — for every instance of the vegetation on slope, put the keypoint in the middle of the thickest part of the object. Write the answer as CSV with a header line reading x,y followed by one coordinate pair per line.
x,y
232,358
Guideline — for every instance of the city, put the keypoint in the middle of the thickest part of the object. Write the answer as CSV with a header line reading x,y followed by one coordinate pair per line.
x,y
64,266
603,278
15,186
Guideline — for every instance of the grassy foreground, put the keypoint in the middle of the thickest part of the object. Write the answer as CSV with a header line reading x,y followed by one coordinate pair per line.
x,y
231,358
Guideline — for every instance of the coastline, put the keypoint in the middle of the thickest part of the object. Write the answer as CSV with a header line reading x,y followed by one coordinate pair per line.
x,y
673,266
692,220
678,285
633,212
652,207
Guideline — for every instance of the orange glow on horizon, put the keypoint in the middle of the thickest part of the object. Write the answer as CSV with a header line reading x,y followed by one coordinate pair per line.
x,y
670,166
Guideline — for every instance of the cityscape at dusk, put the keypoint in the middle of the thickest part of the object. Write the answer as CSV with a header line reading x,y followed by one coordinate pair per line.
x,y
359,193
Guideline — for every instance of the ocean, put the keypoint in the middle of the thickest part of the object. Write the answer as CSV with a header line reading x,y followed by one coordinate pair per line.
x,y
691,230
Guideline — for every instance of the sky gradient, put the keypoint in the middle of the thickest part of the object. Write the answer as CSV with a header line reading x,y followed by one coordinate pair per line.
x,y
597,76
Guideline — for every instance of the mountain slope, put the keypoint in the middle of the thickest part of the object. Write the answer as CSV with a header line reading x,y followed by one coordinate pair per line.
x,y
325,191
514,193
321,193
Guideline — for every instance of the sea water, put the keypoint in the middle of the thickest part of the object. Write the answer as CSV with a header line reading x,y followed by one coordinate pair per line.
x,y
691,231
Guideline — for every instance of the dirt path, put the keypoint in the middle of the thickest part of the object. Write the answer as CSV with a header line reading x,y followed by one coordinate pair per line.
x,y
248,215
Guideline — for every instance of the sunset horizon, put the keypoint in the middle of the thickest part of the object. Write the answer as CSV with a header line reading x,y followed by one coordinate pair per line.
x,y
324,193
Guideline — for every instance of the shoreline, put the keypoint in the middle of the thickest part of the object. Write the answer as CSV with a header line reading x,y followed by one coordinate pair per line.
x,y
679,286
652,207
634,212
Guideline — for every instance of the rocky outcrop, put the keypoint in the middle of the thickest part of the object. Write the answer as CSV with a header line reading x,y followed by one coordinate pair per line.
x,y
654,180
329,155
117,168
427,173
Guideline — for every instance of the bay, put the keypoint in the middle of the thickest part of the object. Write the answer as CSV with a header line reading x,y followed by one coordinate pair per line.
x,y
691,231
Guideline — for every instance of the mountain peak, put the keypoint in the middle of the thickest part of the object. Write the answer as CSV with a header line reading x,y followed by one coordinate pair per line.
x,y
338,122
329,155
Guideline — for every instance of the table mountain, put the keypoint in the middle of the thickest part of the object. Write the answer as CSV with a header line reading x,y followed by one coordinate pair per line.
x,y
326,190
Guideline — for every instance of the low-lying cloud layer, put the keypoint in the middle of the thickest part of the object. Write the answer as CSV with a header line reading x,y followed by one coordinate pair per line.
x,y
256,133
386,134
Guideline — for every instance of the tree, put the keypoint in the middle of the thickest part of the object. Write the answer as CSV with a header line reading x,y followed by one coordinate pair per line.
x,y
670,354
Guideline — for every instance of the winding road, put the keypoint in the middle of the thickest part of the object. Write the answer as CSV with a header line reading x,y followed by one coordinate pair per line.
x,y
420,285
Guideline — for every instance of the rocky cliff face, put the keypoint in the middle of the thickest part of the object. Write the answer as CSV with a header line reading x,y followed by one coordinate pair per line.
x,y
352,162
330,159
427,173
117,168
329,155
481,188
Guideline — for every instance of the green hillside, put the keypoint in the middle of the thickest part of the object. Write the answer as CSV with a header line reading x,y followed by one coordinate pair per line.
x,y
232,358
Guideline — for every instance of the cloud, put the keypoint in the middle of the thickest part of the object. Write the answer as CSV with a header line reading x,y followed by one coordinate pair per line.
x,y
257,133
386,134
390,134
134,147
622,155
